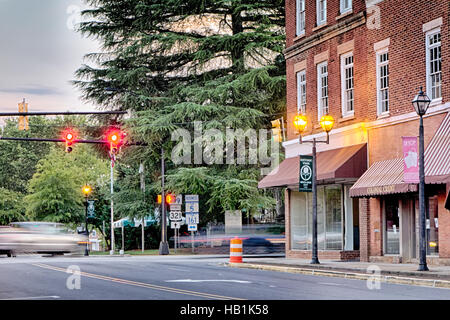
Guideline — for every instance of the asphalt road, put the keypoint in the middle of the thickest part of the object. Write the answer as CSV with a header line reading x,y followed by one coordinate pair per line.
x,y
179,278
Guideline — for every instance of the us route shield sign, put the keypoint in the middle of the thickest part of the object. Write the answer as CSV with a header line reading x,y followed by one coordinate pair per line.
x,y
306,174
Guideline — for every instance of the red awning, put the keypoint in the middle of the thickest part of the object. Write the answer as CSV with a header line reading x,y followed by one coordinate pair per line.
x,y
344,163
384,177
437,155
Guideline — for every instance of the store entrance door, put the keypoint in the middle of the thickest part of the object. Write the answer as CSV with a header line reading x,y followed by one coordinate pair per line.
x,y
408,230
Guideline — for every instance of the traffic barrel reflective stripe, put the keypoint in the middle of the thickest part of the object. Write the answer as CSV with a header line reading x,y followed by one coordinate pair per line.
x,y
236,250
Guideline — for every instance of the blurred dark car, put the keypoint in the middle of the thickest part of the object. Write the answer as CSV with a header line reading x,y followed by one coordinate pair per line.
x,y
257,245
40,237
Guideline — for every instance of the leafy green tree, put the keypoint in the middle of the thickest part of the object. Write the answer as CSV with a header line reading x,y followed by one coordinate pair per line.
x,y
55,189
11,206
175,62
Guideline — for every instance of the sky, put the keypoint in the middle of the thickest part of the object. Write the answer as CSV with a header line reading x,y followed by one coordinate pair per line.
x,y
39,54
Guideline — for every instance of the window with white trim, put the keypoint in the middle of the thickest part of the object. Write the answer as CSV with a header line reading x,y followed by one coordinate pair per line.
x,y
322,88
347,84
301,92
321,8
434,65
383,82
346,6
301,17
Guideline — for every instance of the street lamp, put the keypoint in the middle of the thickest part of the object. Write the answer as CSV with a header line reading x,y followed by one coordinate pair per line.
x,y
327,123
86,191
421,103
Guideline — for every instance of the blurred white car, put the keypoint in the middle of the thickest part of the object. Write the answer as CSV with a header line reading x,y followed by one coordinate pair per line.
x,y
40,237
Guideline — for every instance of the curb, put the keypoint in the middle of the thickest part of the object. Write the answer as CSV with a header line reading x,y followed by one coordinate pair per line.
x,y
348,275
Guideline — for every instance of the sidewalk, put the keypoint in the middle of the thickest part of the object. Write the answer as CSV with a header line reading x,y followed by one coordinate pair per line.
x,y
438,276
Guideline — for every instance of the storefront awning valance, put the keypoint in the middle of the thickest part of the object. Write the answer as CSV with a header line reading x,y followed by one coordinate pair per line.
x,y
344,163
437,155
384,177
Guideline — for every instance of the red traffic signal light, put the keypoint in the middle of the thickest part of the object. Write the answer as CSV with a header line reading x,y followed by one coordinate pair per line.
x,y
170,198
115,139
69,136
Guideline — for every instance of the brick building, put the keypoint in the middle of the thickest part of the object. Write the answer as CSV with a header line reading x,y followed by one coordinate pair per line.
x,y
363,62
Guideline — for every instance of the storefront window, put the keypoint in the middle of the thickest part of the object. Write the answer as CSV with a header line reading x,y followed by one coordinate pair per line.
x,y
334,218
392,227
329,219
432,224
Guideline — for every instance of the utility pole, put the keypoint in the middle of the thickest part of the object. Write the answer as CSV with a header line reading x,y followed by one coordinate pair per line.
x,y
163,246
141,173
112,207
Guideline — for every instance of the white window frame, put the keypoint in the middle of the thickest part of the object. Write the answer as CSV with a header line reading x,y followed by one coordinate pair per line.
x,y
379,65
429,89
346,9
344,100
301,91
318,12
300,22
320,98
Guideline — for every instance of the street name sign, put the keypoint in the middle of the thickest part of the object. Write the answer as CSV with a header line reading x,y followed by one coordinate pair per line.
x,y
306,174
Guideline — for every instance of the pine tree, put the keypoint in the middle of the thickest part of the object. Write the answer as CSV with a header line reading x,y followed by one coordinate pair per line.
x,y
175,62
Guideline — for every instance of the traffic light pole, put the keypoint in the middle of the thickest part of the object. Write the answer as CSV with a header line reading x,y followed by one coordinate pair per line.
x,y
112,207
86,252
163,246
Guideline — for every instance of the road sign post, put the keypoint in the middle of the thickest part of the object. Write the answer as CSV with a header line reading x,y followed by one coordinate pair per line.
x,y
192,214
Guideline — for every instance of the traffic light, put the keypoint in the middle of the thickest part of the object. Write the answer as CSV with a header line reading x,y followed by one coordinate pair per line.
x,y
115,140
23,120
170,198
276,131
69,137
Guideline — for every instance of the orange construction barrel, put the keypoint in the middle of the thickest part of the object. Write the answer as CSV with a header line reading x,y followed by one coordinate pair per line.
x,y
236,250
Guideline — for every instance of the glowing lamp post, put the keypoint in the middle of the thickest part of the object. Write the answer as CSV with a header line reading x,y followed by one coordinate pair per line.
x,y
87,191
421,103
327,123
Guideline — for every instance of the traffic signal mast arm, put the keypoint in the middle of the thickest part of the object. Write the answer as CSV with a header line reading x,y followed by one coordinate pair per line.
x,y
63,140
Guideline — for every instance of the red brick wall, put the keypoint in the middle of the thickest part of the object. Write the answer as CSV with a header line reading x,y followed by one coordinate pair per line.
x,y
402,22
333,8
444,225
364,230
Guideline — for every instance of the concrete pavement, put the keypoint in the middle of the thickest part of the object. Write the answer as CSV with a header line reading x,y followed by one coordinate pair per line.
x,y
438,276
184,277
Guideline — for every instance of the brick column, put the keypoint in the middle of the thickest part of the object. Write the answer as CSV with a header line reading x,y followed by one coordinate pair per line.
x,y
364,229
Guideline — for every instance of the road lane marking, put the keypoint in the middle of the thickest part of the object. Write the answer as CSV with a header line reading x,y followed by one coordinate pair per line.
x,y
33,298
212,280
140,284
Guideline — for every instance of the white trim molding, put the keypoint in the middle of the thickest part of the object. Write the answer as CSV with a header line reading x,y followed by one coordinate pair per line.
x,y
436,23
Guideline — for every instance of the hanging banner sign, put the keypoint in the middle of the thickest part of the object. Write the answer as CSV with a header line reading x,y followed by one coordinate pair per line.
x,y
306,174
410,160
91,209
